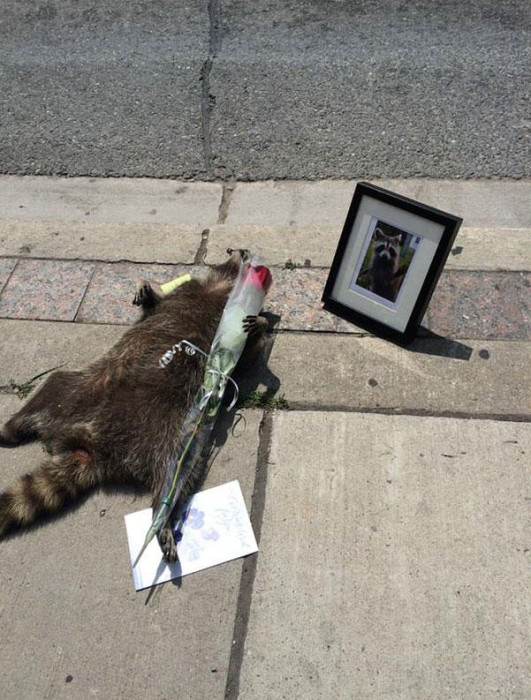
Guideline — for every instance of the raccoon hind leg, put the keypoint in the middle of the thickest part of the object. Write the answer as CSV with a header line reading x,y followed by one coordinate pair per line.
x,y
59,480
51,399
19,429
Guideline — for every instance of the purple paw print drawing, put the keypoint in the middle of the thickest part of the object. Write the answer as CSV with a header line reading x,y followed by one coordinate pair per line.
x,y
210,535
195,519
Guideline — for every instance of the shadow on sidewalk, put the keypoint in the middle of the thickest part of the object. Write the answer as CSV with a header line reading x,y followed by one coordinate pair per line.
x,y
430,343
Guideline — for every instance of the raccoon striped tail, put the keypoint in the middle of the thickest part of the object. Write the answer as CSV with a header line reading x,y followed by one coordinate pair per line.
x,y
59,480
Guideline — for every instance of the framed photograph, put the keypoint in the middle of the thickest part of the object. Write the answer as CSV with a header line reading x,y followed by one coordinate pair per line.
x,y
389,258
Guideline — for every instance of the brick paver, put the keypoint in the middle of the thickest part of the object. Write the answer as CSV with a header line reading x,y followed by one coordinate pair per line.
x,y
466,304
110,294
49,290
482,305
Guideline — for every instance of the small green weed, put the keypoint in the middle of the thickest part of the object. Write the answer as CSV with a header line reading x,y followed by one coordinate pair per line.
x,y
25,389
264,399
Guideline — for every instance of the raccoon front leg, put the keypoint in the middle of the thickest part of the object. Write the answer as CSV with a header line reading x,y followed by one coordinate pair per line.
x,y
194,482
166,539
148,295
255,325
165,534
167,544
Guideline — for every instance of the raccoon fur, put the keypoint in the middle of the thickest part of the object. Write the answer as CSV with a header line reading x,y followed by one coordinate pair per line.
x,y
385,265
118,421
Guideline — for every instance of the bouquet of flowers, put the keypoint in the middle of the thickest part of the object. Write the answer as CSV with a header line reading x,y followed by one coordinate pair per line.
x,y
246,299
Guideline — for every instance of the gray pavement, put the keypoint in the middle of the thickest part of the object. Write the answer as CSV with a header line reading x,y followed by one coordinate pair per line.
x,y
299,90
391,502
394,560
73,626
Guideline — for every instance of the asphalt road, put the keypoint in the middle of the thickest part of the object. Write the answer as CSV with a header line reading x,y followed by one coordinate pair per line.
x,y
272,89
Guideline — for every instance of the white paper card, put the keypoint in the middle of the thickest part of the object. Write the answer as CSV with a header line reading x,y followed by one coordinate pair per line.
x,y
217,529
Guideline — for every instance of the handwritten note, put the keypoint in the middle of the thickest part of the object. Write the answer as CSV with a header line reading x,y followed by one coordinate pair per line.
x,y
215,529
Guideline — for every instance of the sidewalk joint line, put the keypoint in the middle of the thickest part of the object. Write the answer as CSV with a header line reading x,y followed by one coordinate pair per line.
x,y
243,607
305,407
281,266
98,261
4,286
85,293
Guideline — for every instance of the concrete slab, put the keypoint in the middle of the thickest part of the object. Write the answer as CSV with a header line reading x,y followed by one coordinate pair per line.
x,y
6,268
162,221
30,347
321,370
276,245
106,219
109,200
481,204
491,249
73,625
394,560
434,376
493,203
88,240
301,203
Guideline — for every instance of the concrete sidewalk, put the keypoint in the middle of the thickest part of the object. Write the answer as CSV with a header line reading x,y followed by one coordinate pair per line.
x,y
391,502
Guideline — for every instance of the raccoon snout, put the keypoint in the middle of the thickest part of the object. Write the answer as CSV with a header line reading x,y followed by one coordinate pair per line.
x,y
244,254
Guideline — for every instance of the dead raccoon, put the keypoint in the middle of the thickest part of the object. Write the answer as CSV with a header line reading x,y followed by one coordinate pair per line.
x,y
118,421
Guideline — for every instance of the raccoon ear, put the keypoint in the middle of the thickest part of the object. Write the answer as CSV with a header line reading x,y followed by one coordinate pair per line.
x,y
378,234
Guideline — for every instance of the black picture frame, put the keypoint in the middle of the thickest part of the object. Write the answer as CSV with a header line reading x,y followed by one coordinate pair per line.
x,y
364,285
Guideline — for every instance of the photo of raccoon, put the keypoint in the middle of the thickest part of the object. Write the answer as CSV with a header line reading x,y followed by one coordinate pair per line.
x,y
387,260
119,420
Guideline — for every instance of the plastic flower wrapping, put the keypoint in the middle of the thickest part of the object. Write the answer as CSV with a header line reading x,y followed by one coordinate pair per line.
x,y
245,299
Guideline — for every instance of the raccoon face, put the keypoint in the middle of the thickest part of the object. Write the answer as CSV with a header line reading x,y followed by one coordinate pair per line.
x,y
386,247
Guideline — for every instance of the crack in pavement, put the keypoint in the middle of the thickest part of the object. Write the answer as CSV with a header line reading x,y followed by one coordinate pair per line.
x,y
207,99
245,595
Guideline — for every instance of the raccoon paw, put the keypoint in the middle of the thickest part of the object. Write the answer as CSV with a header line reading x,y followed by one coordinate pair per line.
x,y
143,295
255,324
167,544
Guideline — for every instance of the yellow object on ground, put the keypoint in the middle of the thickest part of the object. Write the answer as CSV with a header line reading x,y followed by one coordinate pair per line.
x,y
171,286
